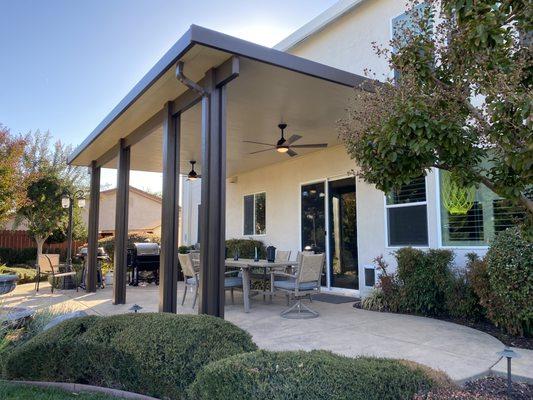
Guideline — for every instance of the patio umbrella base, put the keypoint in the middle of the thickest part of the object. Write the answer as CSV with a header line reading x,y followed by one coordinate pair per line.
x,y
299,311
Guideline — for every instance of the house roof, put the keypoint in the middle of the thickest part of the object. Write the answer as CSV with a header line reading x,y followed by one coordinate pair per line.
x,y
317,24
201,49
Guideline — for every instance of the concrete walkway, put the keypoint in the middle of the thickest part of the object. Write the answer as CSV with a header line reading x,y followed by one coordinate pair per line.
x,y
459,351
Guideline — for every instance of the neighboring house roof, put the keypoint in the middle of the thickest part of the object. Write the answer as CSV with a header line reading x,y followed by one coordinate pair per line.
x,y
135,190
317,24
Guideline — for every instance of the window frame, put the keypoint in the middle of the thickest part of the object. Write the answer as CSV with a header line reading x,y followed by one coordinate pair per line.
x,y
254,194
386,208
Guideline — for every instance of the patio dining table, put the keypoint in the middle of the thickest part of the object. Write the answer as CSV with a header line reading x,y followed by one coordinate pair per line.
x,y
246,265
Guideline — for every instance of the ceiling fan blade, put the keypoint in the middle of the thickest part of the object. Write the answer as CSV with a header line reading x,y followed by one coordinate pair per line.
x,y
291,153
310,146
264,144
293,139
260,151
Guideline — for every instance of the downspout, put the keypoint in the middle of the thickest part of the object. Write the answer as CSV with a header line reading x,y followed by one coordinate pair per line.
x,y
180,75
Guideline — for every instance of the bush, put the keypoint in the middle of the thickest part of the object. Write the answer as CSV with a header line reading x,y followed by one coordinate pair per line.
x,y
108,242
18,256
426,279
461,300
510,276
25,274
154,354
246,248
308,375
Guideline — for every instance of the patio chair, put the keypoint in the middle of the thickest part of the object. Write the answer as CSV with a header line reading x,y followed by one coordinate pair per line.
x,y
45,267
303,283
283,255
191,276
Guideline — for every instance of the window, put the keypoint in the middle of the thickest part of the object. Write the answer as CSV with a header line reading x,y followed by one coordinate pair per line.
x,y
255,214
487,215
407,215
404,23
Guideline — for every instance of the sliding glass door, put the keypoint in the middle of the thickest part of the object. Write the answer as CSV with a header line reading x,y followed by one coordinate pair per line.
x,y
329,224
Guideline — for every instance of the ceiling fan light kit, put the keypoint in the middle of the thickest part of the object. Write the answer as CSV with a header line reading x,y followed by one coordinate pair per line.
x,y
286,145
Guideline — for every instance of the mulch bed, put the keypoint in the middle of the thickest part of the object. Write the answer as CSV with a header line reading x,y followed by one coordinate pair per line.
x,y
490,388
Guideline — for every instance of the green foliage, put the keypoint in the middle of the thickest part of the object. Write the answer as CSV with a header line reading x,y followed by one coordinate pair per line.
x,y
246,248
375,301
11,391
18,256
426,279
42,210
108,242
510,276
461,300
154,354
11,192
26,275
307,375
450,53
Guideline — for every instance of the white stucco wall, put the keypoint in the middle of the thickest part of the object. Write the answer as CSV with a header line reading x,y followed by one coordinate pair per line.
x,y
345,44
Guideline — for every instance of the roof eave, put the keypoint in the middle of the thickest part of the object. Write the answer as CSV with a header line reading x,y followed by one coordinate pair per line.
x,y
197,35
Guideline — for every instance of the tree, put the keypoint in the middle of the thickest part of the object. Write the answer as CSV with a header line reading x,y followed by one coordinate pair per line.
x,y
461,100
43,211
48,178
11,191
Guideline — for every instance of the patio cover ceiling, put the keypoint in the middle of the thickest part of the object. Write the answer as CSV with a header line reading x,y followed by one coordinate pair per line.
x,y
272,86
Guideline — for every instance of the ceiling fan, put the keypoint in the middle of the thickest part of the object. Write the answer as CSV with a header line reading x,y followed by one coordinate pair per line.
x,y
286,145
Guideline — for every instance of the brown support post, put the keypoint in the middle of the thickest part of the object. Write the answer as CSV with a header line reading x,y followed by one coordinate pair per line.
x,y
213,210
168,269
121,224
92,243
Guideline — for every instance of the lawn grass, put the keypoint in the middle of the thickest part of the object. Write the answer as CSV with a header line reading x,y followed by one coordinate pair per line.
x,y
9,391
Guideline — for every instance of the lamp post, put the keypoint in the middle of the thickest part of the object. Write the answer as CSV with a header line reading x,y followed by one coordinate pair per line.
x,y
67,201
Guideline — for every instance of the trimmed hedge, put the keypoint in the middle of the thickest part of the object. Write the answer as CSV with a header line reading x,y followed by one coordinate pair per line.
x,y
308,376
246,248
154,354
11,256
510,275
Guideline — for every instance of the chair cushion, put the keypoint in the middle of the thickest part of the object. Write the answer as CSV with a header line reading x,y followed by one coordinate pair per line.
x,y
234,281
291,285
191,281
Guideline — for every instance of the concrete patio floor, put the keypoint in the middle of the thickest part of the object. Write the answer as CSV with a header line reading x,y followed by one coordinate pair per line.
x,y
459,351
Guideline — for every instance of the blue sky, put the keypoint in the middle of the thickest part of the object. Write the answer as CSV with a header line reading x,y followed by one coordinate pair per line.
x,y
67,63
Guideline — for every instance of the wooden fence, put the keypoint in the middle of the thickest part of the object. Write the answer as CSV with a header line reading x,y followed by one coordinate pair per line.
x,y
18,240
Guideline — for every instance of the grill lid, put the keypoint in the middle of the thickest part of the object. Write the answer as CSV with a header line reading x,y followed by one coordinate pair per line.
x,y
146,249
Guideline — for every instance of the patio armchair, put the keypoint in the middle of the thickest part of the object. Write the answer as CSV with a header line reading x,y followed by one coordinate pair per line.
x,y
45,267
190,266
303,283
191,275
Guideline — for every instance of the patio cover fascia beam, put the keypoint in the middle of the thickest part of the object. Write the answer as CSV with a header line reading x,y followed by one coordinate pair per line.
x,y
197,35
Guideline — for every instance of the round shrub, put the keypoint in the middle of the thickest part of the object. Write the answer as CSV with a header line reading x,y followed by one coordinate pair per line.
x,y
309,376
153,354
510,275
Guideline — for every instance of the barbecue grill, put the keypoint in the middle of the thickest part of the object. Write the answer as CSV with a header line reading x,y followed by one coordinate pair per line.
x,y
144,263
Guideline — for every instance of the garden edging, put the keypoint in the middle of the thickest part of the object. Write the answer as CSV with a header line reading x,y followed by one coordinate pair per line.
x,y
77,387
